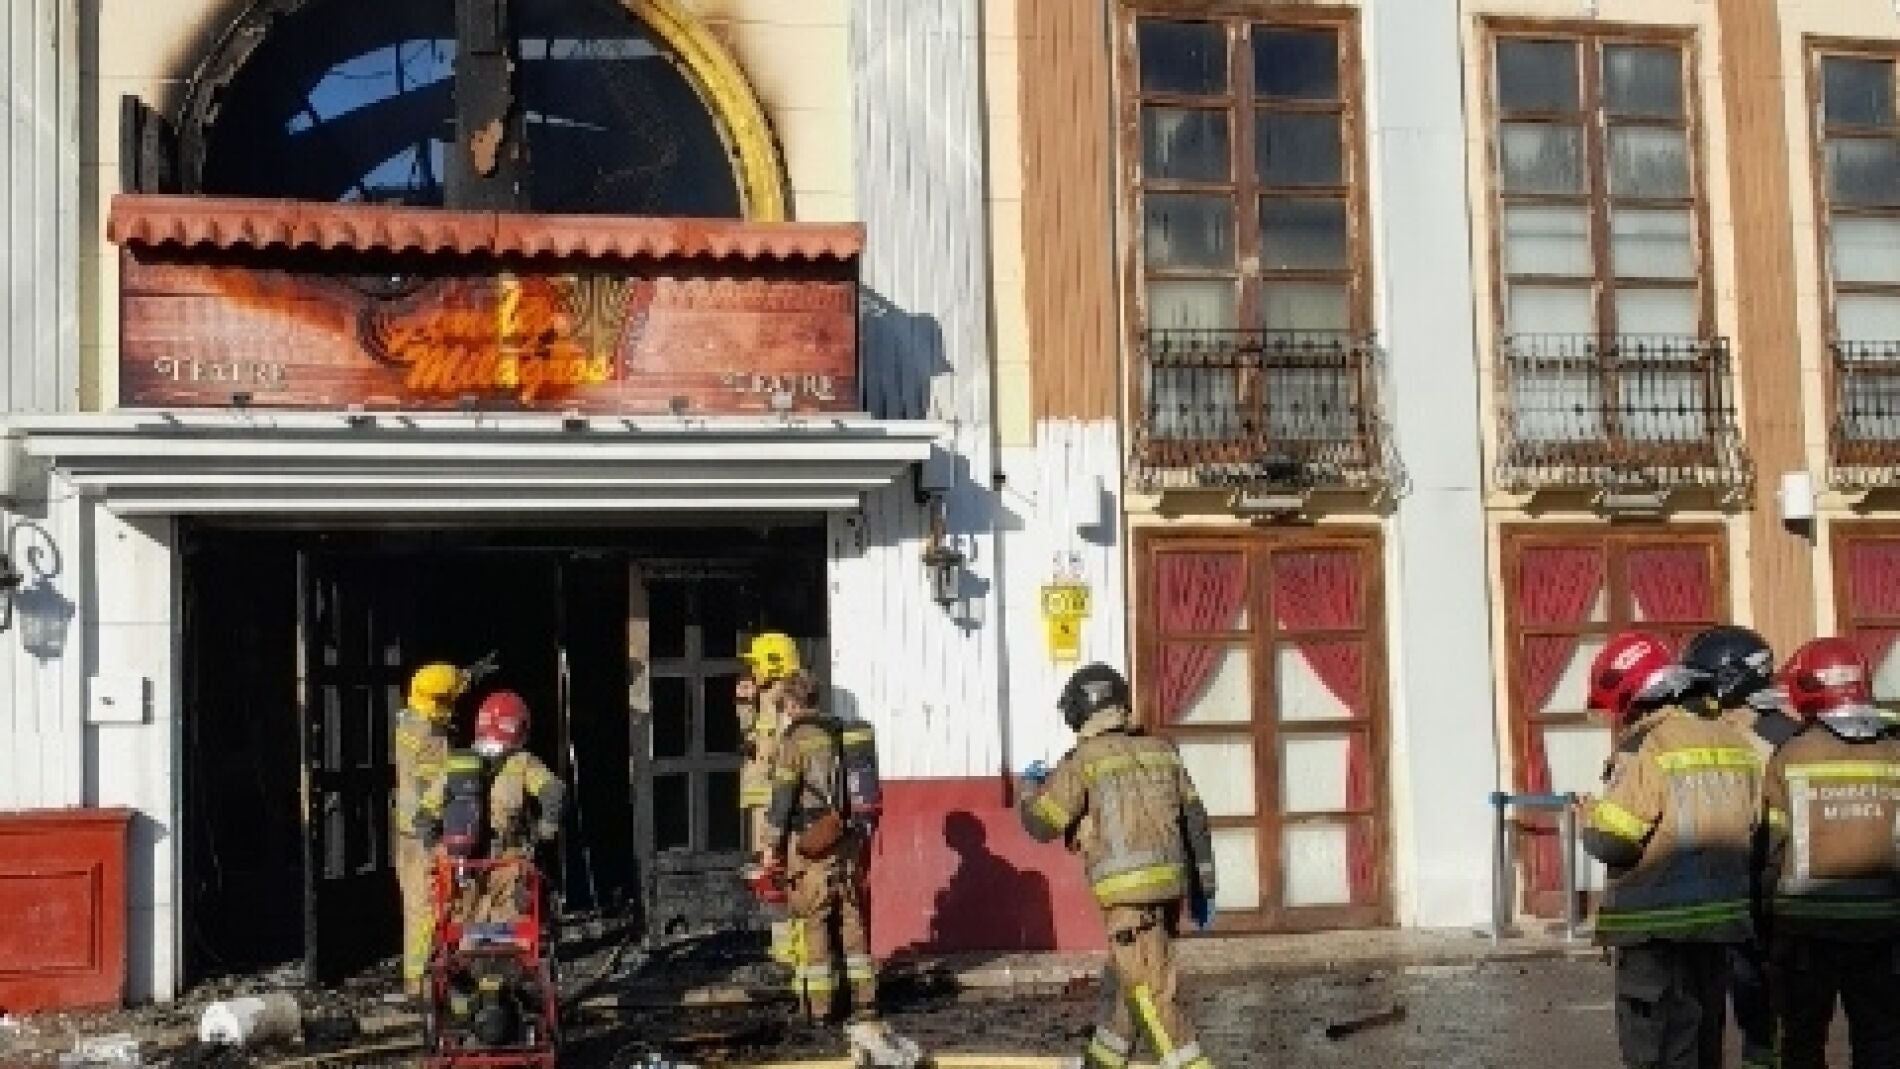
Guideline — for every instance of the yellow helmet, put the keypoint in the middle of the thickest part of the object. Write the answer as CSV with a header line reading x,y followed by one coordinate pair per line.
x,y
434,688
771,656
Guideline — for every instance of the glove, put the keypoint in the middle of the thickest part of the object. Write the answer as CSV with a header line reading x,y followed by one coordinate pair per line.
x,y
546,830
1201,908
1037,772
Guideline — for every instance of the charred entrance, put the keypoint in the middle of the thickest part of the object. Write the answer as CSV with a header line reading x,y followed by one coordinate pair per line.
x,y
297,645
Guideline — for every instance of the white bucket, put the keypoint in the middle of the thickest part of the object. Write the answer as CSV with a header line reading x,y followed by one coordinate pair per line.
x,y
241,1022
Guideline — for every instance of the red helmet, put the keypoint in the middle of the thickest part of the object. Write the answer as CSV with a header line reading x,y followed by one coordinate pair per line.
x,y
1633,666
501,724
1828,680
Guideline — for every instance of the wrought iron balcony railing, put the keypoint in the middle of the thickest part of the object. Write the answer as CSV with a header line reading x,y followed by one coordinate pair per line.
x,y
1293,410
1864,427
1618,412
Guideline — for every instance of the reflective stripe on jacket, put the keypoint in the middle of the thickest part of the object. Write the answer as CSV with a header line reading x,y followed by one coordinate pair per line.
x,y
1675,826
421,748
1832,810
1125,802
762,722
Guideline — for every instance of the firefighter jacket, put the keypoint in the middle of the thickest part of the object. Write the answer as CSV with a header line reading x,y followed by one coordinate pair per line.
x,y
510,782
1767,729
1675,826
421,748
1125,803
808,780
761,722
1832,807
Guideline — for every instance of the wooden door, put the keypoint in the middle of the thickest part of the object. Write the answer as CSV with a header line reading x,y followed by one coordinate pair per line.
x,y
356,614
687,624
1867,600
1262,657
1567,590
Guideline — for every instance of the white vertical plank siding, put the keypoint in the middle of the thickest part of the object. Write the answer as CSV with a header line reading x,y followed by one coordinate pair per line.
x,y
40,736
925,675
39,158
1445,748
1050,519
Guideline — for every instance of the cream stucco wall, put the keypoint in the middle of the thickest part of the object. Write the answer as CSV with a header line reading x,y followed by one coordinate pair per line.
x,y
1876,22
793,52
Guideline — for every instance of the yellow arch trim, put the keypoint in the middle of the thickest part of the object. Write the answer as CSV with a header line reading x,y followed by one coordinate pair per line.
x,y
736,110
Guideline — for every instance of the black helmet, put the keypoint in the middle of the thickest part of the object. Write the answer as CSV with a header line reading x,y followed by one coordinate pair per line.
x,y
1090,690
1736,663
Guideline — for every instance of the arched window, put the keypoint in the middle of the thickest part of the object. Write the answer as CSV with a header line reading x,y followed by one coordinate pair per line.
x,y
356,100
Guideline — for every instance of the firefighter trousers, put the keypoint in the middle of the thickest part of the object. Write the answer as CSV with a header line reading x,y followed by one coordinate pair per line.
x,y
418,916
1754,1008
1812,974
832,939
1672,1004
1140,989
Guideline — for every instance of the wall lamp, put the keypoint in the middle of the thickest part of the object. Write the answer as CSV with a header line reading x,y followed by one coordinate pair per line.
x,y
943,562
10,580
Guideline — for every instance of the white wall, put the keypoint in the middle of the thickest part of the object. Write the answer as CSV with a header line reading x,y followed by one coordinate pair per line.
x,y
1443,738
1049,521
927,676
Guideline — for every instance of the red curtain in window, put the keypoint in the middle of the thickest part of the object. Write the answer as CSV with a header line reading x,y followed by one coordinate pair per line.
x,y
1321,591
1671,584
1194,593
1873,592
1556,586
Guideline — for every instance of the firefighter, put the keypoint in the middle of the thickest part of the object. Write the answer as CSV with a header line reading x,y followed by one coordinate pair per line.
x,y
503,779
1123,800
1675,828
817,838
421,747
1740,670
1831,814
770,659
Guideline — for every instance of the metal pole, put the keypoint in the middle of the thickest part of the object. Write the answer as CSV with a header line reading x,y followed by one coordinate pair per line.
x,y
1567,822
1500,862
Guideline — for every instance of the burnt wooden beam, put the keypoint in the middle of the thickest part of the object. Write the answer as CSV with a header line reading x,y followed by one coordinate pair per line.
x,y
488,163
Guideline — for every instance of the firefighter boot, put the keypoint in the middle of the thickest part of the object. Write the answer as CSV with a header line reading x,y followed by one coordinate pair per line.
x,y
873,1044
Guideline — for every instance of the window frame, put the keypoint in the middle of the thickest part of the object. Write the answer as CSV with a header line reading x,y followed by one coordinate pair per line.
x,y
1242,104
1853,451
1597,200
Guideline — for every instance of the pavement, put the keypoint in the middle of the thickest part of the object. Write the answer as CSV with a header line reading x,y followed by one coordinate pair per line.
x,y
1391,999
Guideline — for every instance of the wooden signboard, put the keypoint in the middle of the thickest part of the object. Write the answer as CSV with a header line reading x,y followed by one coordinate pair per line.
x,y
704,336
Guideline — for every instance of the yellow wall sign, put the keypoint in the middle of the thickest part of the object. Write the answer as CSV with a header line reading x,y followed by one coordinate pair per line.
x,y
1064,607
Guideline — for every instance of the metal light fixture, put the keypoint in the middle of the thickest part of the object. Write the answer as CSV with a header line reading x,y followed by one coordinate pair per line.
x,y
10,580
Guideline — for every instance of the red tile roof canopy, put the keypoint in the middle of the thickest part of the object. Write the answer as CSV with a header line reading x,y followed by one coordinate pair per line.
x,y
182,223
286,304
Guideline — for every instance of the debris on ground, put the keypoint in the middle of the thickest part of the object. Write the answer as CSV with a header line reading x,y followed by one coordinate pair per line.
x,y
251,1021
121,1049
1342,1029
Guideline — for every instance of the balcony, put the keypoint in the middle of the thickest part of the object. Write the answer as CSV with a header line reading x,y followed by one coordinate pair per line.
x,y
1292,411
1619,414
1864,429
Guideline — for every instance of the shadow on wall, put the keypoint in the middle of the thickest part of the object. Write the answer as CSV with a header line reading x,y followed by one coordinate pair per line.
x,y
984,885
902,353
